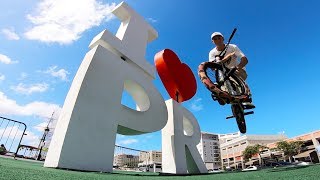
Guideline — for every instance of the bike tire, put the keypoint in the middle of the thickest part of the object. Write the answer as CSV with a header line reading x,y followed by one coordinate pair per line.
x,y
238,113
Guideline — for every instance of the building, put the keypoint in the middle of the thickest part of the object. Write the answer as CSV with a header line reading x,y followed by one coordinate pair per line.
x,y
209,150
223,138
150,156
309,152
231,150
150,161
126,160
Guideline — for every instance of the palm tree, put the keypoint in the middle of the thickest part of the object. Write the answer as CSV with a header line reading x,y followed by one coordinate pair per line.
x,y
290,148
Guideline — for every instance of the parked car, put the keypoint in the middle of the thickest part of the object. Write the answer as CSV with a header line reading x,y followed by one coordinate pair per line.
x,y
273,164
303,163
285,163
214,170
250,168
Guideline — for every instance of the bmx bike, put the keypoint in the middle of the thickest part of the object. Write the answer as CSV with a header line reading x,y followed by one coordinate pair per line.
x,y
229,88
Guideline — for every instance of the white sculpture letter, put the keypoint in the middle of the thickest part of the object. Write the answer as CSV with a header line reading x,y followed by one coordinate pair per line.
x,y
92,114
179,140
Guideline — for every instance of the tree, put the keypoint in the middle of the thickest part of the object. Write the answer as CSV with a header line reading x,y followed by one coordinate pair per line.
x,y
252,150
249,152
260,148
290,148
3,150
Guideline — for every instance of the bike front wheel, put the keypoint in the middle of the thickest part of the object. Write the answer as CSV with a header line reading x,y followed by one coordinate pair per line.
x,y
238,113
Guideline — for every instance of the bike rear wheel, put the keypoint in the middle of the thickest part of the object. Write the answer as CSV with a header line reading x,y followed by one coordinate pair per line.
x,y
238,113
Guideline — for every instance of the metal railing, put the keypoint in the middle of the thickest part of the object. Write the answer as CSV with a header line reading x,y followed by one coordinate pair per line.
x,y
11,134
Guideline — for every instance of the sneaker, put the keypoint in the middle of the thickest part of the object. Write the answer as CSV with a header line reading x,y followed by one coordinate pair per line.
x,y
248,105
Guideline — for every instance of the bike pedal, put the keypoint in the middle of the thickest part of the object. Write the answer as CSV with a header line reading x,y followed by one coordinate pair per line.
x,y
248,113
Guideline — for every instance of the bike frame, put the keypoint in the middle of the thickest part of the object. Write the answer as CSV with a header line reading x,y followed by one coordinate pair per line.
x,y
226,81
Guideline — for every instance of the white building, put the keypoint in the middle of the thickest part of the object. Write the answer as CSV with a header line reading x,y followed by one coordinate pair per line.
x,y
223,138
209,150
150,156
150,161
126,160
231,151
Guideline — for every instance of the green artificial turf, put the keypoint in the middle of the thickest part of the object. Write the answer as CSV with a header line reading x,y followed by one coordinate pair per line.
x,y
20,170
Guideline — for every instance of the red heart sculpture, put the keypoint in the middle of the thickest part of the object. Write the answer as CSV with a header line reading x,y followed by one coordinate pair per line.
x,y
176,77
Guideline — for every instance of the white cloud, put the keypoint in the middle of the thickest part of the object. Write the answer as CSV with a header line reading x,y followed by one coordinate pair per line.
x,y
127,141
61,73
152,20
10,34
36,108
196,105
10,132
23,76
40,127
64,21
6,60
29,89
2,77
31,139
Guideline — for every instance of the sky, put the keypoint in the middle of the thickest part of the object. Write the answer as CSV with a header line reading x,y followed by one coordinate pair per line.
x,y
43,42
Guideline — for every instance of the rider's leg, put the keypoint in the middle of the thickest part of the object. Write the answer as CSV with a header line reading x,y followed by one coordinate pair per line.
x,y
219,79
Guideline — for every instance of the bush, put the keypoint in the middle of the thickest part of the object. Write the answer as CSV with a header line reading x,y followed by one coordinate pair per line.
x,y
3,151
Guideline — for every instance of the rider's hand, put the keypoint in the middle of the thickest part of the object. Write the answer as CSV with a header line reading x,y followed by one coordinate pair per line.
x,y
227,57
238,68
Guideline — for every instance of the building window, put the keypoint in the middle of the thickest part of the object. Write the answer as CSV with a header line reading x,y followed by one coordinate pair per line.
x,y
243,143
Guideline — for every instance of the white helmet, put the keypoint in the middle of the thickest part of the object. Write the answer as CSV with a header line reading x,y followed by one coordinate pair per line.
x,y
216,34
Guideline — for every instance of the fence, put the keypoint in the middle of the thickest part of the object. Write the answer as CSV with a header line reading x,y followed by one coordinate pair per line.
x,y
11,134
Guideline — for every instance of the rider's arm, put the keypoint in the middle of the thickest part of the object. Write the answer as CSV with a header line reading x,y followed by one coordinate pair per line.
x,y
243,58
227,57
243,62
